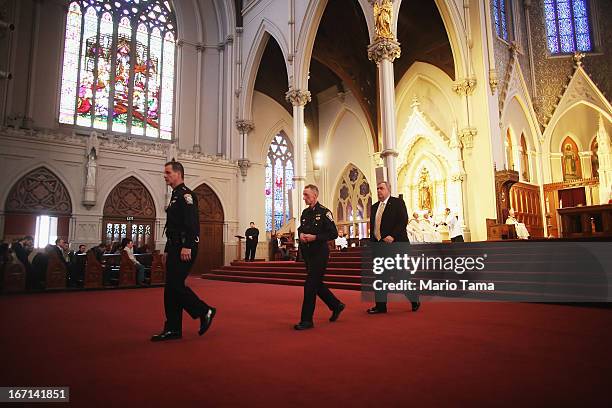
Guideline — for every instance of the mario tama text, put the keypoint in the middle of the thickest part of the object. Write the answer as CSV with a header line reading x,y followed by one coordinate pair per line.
x,y
424,285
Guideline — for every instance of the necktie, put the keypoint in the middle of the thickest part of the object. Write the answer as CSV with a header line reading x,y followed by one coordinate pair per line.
x,y
379,214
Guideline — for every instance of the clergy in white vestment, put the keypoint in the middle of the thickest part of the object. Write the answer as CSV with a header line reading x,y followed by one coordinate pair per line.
x,y
414,230
521,229
430,234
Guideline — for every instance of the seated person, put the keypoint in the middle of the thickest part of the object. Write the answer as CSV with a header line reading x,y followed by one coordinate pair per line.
x,y
127,245
341,242
521,230
279,246
414,230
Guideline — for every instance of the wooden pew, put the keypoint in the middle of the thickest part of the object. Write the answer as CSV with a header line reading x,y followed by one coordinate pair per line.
x,y
158,269
93,272
497,232
56,272
127,270
14,276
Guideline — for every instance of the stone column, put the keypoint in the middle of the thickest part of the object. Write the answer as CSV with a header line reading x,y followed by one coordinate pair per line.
x,y
604,154
383,51
298,98
244,127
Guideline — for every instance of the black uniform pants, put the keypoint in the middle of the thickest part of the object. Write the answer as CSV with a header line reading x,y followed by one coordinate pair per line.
x,y
316,265
177,296
381,299
251,246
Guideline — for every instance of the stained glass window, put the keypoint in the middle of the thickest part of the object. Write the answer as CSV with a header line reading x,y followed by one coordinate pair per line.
x,y
279,180
500,18
353,203
119,58
568,27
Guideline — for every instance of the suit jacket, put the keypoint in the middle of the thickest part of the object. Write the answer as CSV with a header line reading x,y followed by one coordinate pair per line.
x,y
275,247
393,222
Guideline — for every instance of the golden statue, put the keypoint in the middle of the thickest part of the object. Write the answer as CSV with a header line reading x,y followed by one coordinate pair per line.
x,y
424,191
383,9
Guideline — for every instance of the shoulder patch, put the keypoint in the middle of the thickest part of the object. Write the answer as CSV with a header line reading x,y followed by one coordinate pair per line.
x,y
330,216
188,198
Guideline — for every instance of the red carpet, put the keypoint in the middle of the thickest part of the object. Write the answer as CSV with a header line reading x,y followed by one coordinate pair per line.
x,y
447,354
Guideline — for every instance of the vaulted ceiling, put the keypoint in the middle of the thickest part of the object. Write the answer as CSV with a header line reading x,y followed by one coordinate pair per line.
x,y
340,59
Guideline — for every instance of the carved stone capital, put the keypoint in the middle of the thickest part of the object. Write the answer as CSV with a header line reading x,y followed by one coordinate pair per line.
x,y
493,81
578,57
298,97
244,165
458,177
245,126
467,137
465,86
389,152
384,49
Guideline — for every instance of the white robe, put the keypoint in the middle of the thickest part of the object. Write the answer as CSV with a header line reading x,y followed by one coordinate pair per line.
x,y
429,231
414,231
521,229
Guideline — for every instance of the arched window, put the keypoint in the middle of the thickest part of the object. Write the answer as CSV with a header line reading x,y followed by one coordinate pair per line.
x,y
353,203
279,180
118,70
568,28
501,17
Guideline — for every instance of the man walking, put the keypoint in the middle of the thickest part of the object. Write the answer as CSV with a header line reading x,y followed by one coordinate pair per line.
x,y
316,228
182,231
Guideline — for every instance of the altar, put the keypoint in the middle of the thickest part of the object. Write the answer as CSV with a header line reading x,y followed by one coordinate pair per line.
x,y
586,221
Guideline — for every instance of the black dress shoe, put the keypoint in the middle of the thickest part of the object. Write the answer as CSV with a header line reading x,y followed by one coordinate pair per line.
x,y
303,326
375,310
206,320
416,305
167,335
336,313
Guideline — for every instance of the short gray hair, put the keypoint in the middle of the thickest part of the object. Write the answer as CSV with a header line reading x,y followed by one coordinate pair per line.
x,y
386,183
312,187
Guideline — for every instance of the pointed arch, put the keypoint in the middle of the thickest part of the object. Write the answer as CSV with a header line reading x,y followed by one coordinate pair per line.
x,y
353,202
129,198
453,23
308,34
570,159
279,171
212,219
39,191
267,30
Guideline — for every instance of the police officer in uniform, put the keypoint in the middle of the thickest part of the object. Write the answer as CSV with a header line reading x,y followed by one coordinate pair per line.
x,y
182,231
316,228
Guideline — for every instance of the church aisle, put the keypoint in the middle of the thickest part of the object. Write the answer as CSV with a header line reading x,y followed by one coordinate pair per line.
x,y
448,353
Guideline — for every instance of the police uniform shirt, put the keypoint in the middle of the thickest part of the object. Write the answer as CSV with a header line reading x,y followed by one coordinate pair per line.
x,y
182,218
318,221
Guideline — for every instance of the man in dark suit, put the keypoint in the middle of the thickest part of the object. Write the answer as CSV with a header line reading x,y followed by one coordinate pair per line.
x,y
252,235
279,243
388,220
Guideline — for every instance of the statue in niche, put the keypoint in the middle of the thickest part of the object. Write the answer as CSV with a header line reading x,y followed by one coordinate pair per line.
x,y
595,159
424,191
92,157
91,168
570,163
383,10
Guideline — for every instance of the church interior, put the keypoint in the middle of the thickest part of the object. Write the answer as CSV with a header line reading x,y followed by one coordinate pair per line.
x,y
494,112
